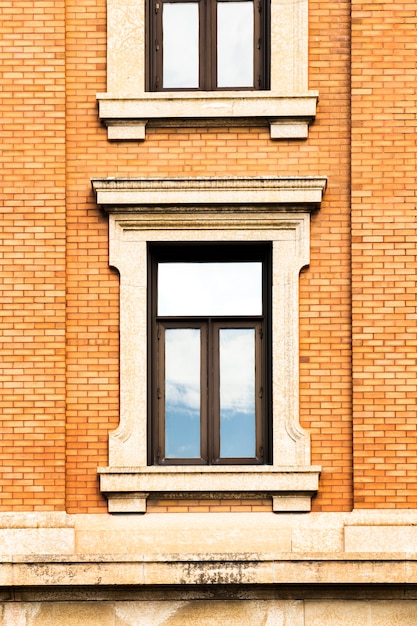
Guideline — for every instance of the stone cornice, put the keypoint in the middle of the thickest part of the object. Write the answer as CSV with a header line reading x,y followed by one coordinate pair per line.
x,y
118,194
54,549
197,569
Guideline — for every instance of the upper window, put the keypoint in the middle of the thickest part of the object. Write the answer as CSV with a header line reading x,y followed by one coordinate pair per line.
x,y
208,45
204,62
209,348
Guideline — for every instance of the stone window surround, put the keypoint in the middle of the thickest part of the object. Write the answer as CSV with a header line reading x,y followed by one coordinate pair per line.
x,y
126,108
209,209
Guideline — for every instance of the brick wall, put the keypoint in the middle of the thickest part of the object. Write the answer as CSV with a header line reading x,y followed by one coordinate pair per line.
x,y
384,150
32,256
48,160
325,287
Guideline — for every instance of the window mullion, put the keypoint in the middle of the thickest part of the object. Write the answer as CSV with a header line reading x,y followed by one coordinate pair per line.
x,y
205,394
159,395
156,45
261,44
214,393
258,44
260,399
203,44
208,52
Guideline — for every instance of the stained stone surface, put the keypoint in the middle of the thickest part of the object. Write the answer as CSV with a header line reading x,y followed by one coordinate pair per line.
x,y
211,613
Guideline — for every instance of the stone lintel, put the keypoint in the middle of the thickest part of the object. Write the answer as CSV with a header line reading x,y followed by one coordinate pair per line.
x,y
114,194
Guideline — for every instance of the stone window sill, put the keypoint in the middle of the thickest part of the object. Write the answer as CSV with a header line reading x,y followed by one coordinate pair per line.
x,y
127,488
127,118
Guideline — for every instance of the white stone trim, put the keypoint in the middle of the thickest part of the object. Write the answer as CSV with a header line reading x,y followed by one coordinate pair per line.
x,y
126,108
204,209
127,118
136,195
362,547
242,569
128,488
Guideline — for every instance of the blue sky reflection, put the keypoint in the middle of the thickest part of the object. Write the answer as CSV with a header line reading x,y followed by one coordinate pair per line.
x,y
210,289
237,392
182,393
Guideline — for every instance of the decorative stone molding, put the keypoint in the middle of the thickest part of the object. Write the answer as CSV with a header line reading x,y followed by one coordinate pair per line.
x,y
209,209
51,560
126,108
195,569
136,195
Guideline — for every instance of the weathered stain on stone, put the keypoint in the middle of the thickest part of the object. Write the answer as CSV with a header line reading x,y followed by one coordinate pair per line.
x,y
218,573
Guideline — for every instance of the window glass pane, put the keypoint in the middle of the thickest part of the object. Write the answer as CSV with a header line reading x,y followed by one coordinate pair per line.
x,y
182,393
237,392
210,288
180,45
235,40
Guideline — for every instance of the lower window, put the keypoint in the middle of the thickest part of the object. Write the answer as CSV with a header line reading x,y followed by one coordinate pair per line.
x,y
209,390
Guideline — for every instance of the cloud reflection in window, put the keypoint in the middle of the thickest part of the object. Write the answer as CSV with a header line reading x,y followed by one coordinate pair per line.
x,y
235,54
180,47
194,289
237,392
182,393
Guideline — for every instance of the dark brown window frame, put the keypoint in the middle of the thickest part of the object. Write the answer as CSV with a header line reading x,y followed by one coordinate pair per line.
x,y
207,46
210,413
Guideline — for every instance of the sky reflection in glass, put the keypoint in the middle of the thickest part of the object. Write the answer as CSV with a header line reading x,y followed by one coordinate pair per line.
x,y
180,46
182,393
237,392
210,289
235,40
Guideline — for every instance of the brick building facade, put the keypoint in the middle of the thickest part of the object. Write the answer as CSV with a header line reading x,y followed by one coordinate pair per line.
x,y
92,162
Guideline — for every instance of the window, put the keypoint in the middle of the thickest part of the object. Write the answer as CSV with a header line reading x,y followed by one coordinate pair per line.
x,y
208,45
157,76
208,364
225,221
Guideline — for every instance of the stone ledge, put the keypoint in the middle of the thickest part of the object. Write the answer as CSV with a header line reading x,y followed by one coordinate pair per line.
x,y
128,488
287,116
216,570
382,517
42,520
115,195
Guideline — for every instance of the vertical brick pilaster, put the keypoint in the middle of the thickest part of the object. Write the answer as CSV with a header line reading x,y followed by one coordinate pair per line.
x,y
32,255
384,150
